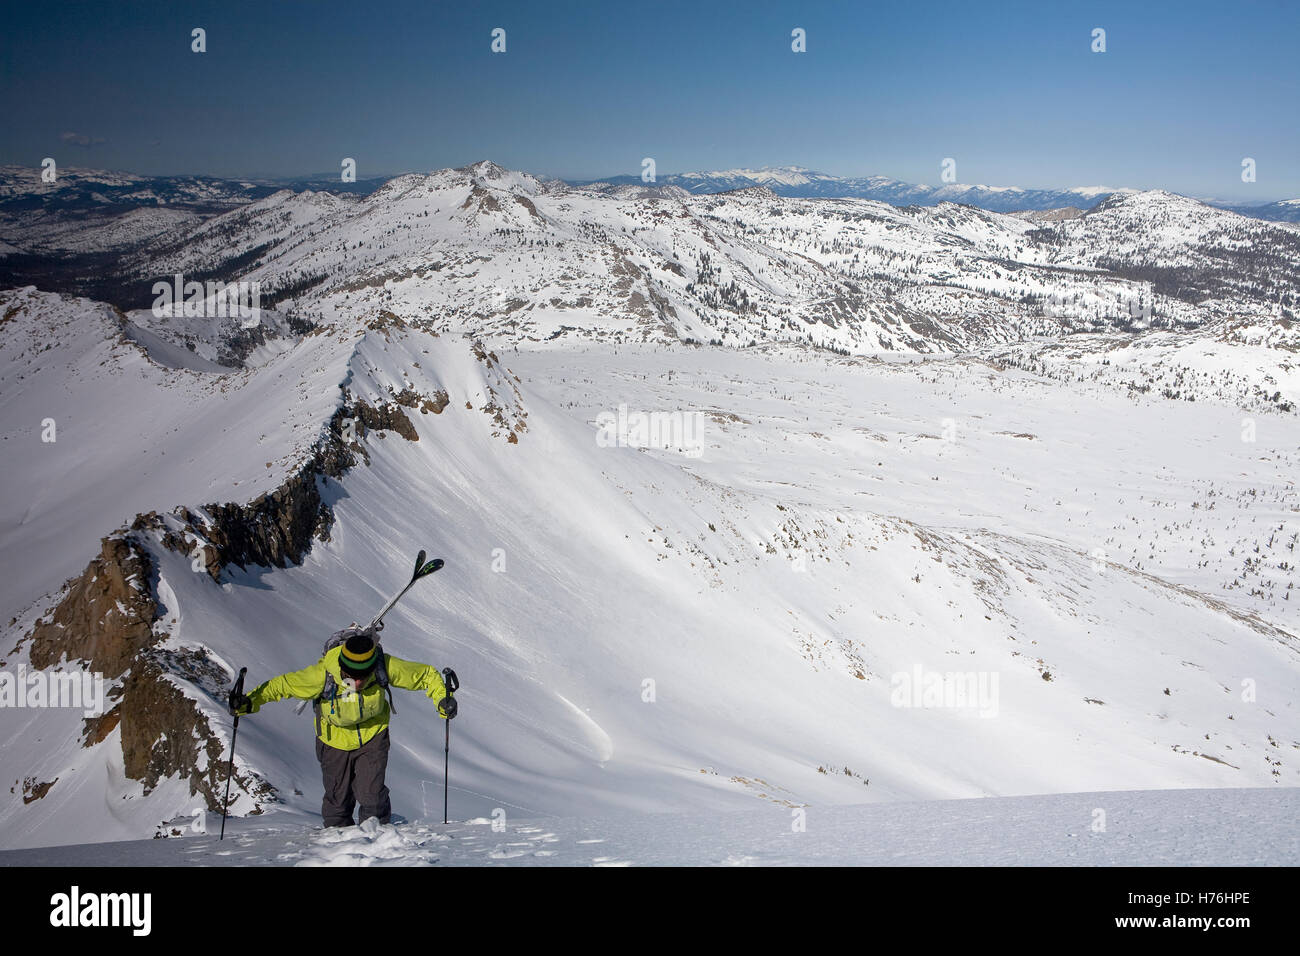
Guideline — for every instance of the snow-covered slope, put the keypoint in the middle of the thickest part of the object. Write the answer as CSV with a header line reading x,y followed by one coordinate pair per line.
x,y
1138,829
635,629
131,435
487,251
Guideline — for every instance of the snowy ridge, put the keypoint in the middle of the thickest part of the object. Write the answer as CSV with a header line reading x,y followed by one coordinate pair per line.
x,y
487,252
800,182
490,252
782,558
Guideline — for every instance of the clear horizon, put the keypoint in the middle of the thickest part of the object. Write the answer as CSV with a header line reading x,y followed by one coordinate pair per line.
x,y
1015,94
278,179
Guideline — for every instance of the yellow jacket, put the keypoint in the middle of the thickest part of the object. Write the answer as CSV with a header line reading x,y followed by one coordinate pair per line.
x,y
350,719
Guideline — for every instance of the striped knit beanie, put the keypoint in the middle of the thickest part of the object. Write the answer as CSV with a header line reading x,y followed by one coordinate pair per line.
x,y
359,656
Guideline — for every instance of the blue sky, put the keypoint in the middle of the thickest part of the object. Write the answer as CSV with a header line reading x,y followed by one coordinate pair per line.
x,y
1011,91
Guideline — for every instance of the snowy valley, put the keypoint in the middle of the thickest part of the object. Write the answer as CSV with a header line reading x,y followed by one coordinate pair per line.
x,y
897,454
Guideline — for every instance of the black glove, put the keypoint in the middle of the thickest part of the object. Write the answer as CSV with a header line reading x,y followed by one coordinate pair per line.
x,y
239,704
447,707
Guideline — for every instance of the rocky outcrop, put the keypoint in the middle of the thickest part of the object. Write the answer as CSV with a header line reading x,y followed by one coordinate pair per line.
x,y
106,619
385,320
275,529
507,413
485,200
97,729
386,418
413,399
106,616
278,528
165,736
33,791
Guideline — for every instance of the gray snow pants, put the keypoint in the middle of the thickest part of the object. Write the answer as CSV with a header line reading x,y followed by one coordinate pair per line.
x,y
353,776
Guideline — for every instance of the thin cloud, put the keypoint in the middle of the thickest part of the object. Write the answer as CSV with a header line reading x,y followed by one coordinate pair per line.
x,y
81,139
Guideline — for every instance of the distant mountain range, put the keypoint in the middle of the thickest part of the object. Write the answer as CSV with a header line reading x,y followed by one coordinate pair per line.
x,y
21,189
498,253
74,189
799,182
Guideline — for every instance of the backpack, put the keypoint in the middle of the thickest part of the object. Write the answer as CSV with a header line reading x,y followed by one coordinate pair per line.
x,y
331,688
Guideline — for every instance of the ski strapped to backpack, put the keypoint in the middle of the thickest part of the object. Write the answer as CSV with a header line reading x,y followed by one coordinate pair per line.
x,y
422,569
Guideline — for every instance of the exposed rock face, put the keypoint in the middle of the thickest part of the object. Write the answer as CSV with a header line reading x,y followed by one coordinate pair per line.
x,y
97,729
507,413
164,735
386,320
108,615
387,418
413,399
528,204
485,200
277,528
33,791
106,618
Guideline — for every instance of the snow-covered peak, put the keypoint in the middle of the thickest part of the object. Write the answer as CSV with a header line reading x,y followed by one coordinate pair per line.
x,y
485,169
768,175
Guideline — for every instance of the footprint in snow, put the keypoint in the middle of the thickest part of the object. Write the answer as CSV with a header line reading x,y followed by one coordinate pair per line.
x,y
370,844
500,853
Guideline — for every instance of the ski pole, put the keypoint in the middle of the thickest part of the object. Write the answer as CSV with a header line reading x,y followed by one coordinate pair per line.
x,y
237,691
448,707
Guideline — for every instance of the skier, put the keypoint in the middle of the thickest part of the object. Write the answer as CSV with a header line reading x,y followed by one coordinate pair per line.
x,y
349,685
